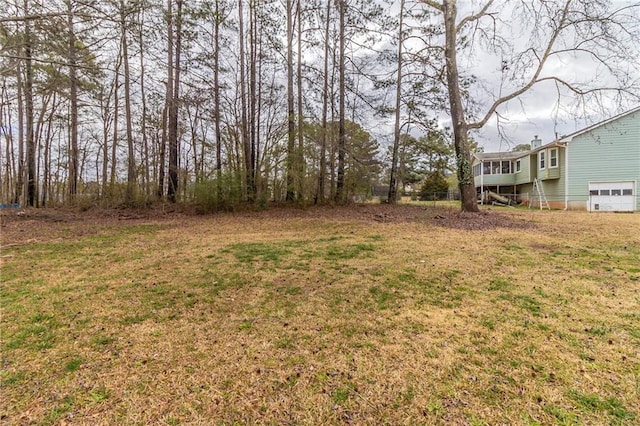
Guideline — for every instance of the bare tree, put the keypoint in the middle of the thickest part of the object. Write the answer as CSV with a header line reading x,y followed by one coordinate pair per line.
x,y
28,95
300,133
216,96
291,136
172,115
393,184
549,32
168,100
131,161
325,105
340,195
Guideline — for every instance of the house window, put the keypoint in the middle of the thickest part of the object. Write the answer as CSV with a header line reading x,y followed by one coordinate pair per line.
x,y
553,158
518,166
627,192
616,192
541,160
605,192
593,192
495,167
486,168
506,167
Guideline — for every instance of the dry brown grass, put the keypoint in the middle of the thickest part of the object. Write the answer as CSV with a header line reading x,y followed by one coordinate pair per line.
x,y
363,315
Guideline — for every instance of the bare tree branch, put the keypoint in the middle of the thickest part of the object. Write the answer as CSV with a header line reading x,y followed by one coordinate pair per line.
x,y
475,17
433,4
534,78
582,92
31,17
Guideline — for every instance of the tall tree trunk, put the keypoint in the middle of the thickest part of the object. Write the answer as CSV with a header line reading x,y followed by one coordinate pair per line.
x,y
116,114
104,107
28,95
244,131
20,178
46,178
216,95
9,177
131,160
332,129
253,59
300,169
290,195
73,98
460,126
173,110
168,101
143,99
261,176
393,184
48,109
325,100
342,137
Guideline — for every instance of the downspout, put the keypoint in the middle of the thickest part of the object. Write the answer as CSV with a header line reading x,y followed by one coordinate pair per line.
x,y
482,182
566,176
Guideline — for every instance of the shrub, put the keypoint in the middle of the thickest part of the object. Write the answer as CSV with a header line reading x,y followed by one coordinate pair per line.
x,y
435,187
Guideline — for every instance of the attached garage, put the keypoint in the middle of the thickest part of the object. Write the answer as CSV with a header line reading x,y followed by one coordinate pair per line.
x,y
612,196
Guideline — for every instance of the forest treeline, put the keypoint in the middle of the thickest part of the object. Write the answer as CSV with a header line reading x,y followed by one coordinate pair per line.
x,y
225,102
210,101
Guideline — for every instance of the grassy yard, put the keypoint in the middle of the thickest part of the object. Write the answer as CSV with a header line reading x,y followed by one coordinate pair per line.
x,y
357,316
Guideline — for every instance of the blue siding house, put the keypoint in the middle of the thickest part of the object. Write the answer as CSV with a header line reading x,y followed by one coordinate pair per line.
x,y
595,169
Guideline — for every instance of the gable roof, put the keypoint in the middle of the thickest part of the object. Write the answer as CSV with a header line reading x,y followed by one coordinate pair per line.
x,y
561,141
570,136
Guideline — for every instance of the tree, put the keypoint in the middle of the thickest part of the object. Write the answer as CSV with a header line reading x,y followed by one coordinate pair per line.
x,y
172,131
131,163
291,124
419,158
340,196
393,186
548,32
435,186
320,194
28,94
218,13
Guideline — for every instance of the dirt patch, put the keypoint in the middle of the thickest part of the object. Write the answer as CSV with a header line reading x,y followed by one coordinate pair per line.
x,y
22,226
480,221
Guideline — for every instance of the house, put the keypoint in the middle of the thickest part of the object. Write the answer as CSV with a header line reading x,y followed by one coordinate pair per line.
x,y
595,169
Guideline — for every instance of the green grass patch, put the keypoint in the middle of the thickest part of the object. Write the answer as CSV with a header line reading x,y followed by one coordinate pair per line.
x,y
8,378
73,365
103,340
347,251
252,252
500,284
593,402
382,297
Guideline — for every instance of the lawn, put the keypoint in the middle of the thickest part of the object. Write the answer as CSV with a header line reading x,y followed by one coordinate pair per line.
x,y
359,315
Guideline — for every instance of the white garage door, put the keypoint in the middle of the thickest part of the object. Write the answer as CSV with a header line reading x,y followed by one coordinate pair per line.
x,y
612,196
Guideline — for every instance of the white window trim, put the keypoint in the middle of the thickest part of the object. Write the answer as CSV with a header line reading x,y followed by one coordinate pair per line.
x,y
542,158
557,158
518,166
